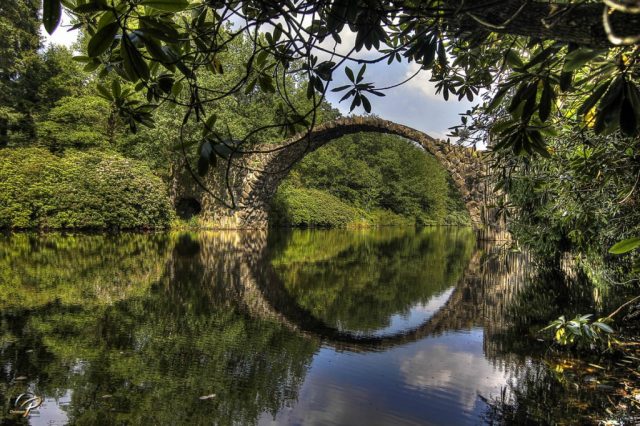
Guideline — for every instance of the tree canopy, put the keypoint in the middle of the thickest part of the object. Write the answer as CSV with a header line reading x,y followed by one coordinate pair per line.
x,y
575,60
365,177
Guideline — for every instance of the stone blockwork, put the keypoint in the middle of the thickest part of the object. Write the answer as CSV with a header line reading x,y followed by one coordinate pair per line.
x,y
255,177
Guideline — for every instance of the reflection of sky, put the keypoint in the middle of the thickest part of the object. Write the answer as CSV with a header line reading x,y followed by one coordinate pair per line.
x,y
51,412
416,316
434,381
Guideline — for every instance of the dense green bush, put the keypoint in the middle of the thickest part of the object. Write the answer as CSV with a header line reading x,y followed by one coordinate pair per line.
x,y
93,189
76,122
580,201
311,207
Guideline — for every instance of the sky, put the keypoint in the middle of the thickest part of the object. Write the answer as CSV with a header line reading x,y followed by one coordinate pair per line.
x,y
413,104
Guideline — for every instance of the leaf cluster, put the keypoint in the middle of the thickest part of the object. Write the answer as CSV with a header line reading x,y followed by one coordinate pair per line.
x,y
581,331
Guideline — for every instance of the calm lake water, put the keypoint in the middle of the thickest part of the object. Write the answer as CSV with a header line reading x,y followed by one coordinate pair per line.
x,y
363,327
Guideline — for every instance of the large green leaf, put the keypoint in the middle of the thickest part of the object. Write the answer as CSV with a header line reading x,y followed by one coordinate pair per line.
x,y
349,74
101,41
546,101
602,326
154,48
593,99
625,246
134,63
579,57
51,14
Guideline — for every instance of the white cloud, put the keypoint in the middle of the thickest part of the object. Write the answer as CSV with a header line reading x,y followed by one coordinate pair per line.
x,y
348,41
421,82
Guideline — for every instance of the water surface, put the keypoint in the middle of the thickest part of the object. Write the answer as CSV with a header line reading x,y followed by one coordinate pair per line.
x,y
389,326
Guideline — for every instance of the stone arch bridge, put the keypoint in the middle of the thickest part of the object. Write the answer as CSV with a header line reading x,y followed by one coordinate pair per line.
x,y
258,175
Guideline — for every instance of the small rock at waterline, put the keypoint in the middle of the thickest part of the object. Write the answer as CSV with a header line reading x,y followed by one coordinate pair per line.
x,y
203,397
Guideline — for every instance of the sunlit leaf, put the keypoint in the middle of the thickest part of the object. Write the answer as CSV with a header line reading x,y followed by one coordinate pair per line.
x,y
625,246
101,41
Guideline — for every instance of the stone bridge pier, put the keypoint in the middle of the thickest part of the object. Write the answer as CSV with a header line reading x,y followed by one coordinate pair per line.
x,y
255,177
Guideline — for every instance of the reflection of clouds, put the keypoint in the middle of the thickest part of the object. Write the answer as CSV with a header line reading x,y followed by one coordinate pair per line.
x,y
442,369
417,315
52,412
435,303
336,405
434,381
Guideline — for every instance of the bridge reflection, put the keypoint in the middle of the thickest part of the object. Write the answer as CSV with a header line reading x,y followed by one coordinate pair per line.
x,y
481,279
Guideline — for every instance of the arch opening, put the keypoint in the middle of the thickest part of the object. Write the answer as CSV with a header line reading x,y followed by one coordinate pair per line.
x,y
367,178
188,207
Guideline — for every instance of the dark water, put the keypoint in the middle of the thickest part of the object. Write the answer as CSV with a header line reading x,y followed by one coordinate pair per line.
x,y
391,326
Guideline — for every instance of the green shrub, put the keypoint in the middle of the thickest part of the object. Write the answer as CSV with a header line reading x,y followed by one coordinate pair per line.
x,y
311,208
457,218
380,217
79,190
76,122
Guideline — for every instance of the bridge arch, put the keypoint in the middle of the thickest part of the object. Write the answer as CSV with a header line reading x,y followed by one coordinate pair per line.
x,y
255,187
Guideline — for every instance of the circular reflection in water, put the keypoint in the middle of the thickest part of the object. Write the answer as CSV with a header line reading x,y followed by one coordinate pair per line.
x,y
366,284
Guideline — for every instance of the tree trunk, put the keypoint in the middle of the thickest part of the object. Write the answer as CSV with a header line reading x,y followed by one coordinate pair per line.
x,y
578,23
4,133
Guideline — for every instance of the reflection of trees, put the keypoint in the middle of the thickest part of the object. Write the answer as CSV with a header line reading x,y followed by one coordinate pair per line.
x,y
357,280
36,270
145,357
543,387
139,326
53,286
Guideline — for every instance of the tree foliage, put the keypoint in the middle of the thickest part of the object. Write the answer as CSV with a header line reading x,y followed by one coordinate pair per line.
x,y
311,207
19,39
375,173
76,122
54,103
541,52
581,200
132,310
